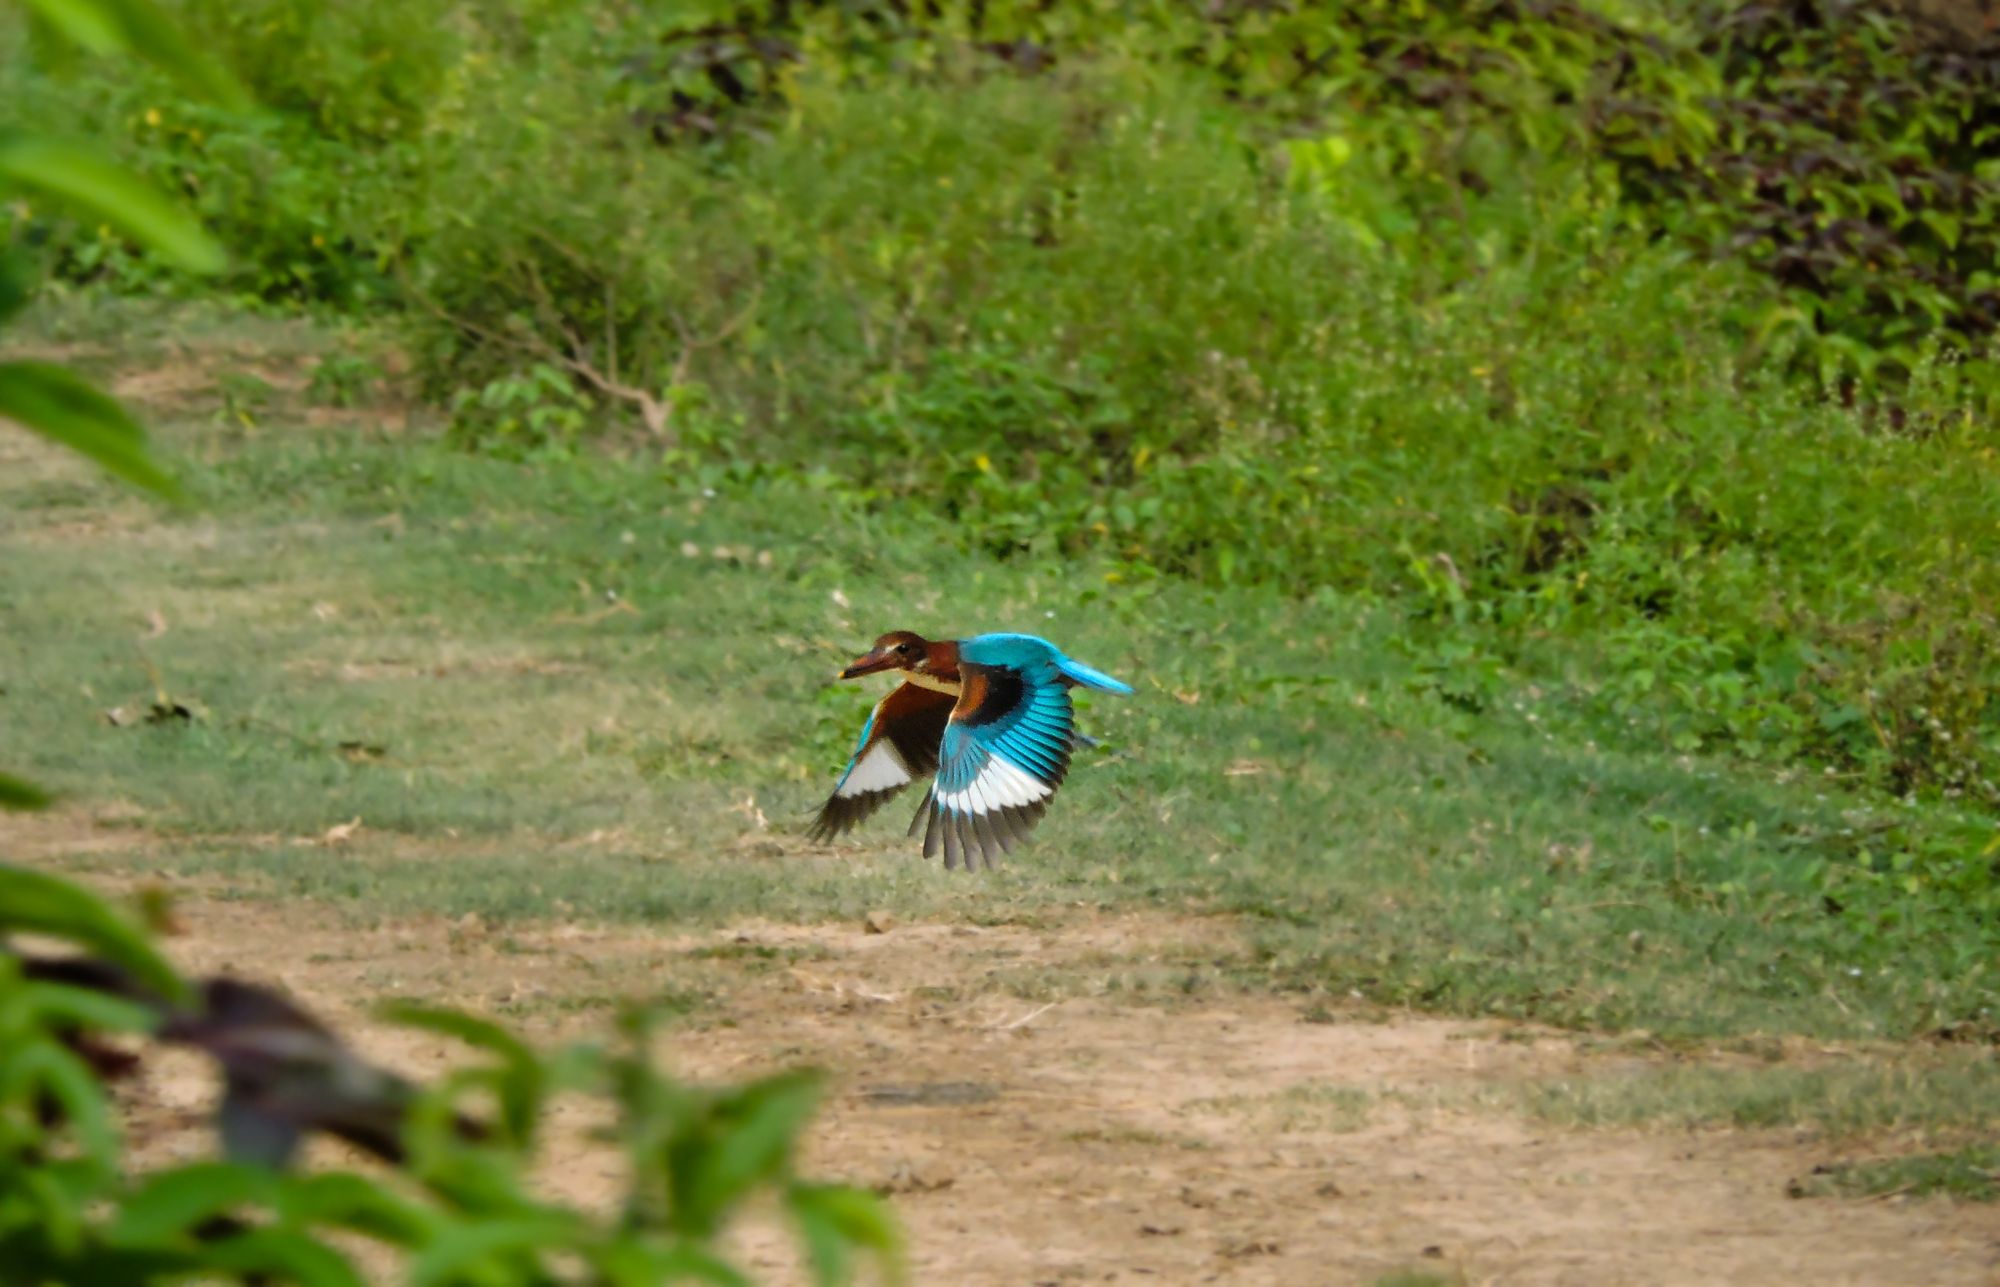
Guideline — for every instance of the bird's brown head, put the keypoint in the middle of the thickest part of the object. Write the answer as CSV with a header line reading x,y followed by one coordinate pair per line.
x,y
897,650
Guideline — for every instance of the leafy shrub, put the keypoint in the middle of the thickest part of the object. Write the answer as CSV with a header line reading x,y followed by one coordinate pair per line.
x,y
463,1213
1842,147
1857,161
294,185
537,412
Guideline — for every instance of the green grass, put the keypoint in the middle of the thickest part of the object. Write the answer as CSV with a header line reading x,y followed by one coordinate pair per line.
x,y
1970,1174
1418,1278
1958,1091
539,705
1321,1106
1933,1094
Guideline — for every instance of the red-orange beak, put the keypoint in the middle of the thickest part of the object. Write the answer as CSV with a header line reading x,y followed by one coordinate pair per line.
x,y
879,660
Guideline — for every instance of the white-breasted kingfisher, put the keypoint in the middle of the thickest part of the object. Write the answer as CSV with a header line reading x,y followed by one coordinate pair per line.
x,y
990,716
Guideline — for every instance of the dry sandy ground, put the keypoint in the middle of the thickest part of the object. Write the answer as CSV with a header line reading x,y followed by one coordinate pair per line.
x,y
1096,1139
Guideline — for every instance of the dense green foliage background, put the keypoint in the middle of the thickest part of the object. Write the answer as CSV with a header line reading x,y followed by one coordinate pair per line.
x,y
1633,354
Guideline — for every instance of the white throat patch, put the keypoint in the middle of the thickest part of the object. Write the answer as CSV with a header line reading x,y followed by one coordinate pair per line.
x,y
931,682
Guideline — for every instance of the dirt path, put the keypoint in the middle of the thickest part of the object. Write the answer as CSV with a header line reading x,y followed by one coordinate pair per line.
x,y
1038,1129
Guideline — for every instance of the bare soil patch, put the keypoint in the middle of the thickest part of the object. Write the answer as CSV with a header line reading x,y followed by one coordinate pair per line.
x,y
1037,1128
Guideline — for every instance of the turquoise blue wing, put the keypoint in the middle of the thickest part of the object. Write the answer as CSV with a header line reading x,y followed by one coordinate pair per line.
x,y
1005,752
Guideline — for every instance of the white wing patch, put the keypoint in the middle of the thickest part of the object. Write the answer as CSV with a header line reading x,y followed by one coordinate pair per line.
x,y
881,769
1000,785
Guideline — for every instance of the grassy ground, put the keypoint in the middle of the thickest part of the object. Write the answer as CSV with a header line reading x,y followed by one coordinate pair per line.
x,y
538,740
377,672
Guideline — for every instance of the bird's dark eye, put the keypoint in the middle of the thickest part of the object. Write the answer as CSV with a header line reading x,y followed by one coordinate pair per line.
x,y
903,649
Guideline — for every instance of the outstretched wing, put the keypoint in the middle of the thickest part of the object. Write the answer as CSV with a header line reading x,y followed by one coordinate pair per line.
x,y
898,745
1004,753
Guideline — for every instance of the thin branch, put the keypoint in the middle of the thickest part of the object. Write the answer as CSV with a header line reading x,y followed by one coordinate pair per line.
x,y
1023,1021
573,355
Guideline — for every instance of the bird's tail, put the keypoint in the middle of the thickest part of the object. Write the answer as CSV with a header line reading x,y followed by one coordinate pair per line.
x,y
1090,678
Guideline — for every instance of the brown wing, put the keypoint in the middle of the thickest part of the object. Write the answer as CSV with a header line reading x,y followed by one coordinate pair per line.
x,y
898,746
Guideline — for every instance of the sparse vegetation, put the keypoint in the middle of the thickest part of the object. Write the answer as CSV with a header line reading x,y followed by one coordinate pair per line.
x,y
1946,1093
1971,1173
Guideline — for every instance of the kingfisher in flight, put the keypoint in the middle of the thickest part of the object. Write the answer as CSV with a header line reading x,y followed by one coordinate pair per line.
x,y
990,716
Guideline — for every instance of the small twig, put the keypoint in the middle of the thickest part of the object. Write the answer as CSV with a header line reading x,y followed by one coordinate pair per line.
x,y
652,411
657,413
592,618
611,328
1022,1021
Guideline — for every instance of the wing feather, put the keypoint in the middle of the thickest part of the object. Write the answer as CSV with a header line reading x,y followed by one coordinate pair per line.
x,y
899,744
1004,754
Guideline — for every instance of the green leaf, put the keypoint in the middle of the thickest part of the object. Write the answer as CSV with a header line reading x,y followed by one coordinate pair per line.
x,y
471,1029
84,22
66,1005
459,1250
632,1262
1946,226
358,1203
58,1073
29,1258
686,1261
14,291
745,1139
41,904
59,1215
16,794
59,405
173,1203
520,1082
836,1219
139,27
286,1253
102,190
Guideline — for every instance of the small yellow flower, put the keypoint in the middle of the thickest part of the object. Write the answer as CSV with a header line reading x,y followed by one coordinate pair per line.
x,y
153,117
319,242
985,465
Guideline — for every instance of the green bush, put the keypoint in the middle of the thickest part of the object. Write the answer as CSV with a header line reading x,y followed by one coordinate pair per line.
x,y
296,184
1856,160
1837,146
460,1208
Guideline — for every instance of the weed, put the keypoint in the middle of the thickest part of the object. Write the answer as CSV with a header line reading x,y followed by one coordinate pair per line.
x,y
1309,1106
1970,1174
